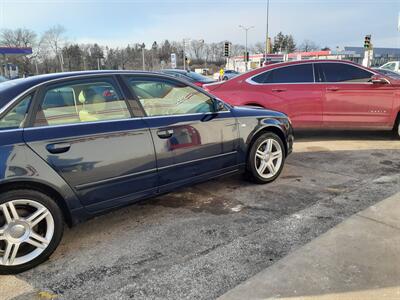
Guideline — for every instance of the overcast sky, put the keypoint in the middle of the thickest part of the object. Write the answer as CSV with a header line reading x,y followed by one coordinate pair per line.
x,y
117,23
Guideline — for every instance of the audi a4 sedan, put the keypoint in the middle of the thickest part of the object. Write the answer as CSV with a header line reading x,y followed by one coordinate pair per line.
x,y
319,94
73,145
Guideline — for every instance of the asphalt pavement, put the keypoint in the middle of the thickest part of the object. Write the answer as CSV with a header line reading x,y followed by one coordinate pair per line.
x,y
202,241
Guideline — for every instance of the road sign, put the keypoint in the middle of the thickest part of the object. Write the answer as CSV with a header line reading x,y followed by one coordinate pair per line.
x,y
173,60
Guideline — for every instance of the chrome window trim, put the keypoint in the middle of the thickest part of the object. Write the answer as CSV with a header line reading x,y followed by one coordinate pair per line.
x,y
80,123
250,79
116,120
180,115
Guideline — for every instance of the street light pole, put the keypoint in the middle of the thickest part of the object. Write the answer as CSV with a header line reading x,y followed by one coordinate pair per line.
x,y
246,29
185,40
267,34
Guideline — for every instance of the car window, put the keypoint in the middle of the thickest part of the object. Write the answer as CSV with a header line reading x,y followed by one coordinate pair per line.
x,y
302,73
389,66
81,102
16,116
337,72
159,97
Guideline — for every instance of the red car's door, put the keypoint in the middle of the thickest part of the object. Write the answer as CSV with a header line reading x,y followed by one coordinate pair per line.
x,y
351,100
292,90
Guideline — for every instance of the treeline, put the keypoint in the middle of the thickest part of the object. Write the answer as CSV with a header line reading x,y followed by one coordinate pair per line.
x,y
52,52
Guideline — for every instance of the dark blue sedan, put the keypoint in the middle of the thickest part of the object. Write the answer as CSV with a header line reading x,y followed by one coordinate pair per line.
x,y
74,145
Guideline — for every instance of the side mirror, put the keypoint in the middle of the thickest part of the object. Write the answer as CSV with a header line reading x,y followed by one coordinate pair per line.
x,y
378,79
219,105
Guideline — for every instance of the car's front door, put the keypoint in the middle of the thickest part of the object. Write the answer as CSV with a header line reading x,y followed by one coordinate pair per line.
x,y
291,89
351,99
84,129
191,138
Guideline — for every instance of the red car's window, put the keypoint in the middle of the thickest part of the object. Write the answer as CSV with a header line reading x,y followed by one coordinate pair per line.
x,y
338,72
302,73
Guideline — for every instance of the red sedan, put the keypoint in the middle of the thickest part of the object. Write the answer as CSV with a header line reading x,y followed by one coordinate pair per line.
x,y
319,94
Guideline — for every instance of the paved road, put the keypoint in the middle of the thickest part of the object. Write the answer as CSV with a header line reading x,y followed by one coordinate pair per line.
x,y
200,242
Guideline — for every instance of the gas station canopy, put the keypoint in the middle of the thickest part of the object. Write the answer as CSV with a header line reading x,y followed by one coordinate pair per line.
x,y
15,51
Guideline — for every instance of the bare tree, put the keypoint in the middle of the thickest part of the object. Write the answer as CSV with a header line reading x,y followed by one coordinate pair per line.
x,y
259,47
20,37
55,40
197,49
308,45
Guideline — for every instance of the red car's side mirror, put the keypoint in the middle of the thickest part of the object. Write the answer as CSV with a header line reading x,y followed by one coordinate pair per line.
x,y
378,79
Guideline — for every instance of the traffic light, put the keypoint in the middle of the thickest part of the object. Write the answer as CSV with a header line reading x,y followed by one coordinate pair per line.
x,y
367,42
227,49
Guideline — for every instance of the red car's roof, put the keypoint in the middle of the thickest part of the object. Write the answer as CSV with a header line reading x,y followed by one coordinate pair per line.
x,y
296,62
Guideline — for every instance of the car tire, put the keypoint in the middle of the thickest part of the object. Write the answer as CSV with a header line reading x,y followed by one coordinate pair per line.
x,y
225,78
31,227
396,128
266,158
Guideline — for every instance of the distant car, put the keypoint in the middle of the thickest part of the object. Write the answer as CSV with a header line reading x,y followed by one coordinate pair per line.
x,y
74,145
228,74
2,79
391,66
387,72
189,76
319,94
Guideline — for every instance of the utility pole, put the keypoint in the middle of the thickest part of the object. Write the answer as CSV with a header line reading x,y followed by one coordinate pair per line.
x,y
267,34
246,29
144,66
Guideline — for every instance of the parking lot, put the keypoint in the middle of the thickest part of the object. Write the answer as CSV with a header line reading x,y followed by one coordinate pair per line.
x,y
199,242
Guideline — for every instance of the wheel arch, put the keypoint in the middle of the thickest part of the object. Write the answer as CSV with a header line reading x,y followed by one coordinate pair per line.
x,y
396,120
43,188
265,129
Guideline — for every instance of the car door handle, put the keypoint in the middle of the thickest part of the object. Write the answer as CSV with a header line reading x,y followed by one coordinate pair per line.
x,y
332,89
58,148
165,134
279,90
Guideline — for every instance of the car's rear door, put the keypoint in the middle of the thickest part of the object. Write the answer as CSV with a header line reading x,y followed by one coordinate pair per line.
x,y
291,89
86,130
351,99
191,138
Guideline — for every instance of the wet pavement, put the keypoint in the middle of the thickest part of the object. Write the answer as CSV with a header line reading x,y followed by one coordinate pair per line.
x,y
199,242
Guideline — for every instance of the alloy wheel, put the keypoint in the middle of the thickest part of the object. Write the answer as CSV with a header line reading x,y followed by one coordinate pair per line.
x,y
268,158
26,230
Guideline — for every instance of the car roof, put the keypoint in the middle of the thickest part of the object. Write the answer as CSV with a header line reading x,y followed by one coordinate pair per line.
x,y
12,88
295,62
182,71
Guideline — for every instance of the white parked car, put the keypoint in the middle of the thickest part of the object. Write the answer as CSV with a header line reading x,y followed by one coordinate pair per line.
x,y
391,66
